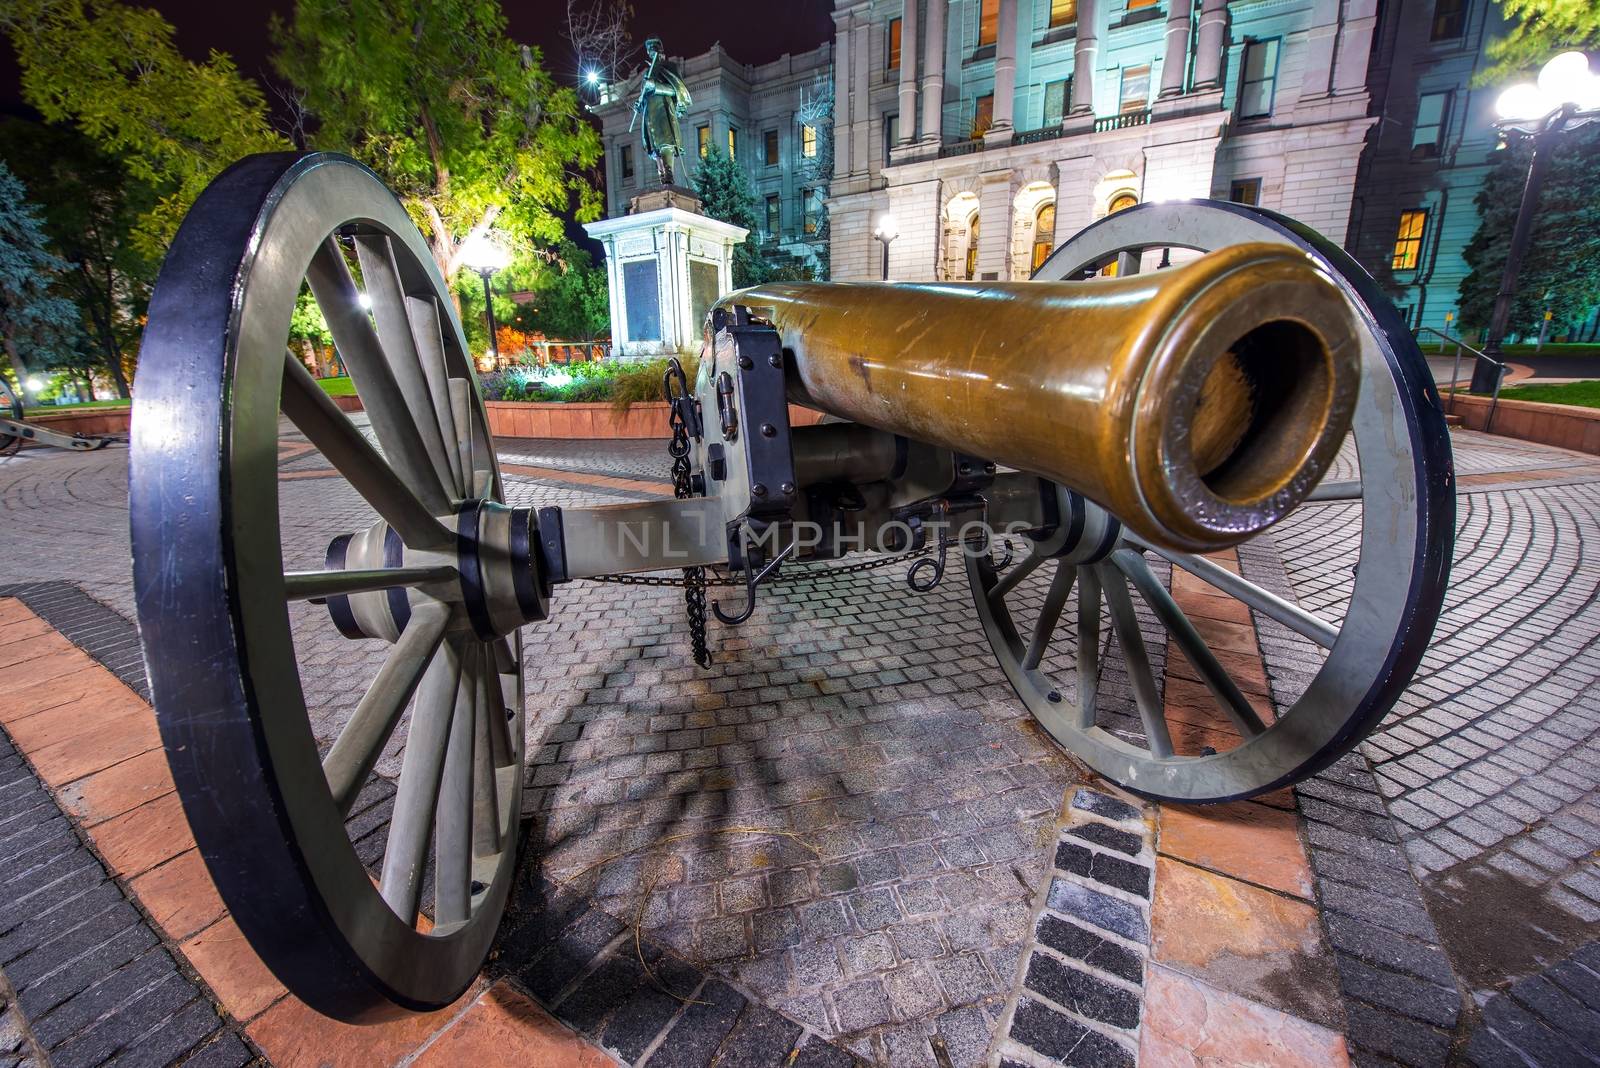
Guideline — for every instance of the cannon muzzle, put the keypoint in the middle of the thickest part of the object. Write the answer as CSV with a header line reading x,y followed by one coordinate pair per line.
x,y
1199,404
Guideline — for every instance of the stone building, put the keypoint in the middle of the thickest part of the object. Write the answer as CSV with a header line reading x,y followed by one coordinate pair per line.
x,y
755,112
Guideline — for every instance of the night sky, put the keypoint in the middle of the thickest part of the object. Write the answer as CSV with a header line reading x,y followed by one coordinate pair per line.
x,y
752,31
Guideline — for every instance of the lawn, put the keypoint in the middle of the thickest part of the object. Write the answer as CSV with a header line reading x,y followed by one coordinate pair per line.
x,y
1584,394
45,408
338,387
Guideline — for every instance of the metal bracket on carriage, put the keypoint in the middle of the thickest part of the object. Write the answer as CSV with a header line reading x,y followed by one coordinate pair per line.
x,y
745,553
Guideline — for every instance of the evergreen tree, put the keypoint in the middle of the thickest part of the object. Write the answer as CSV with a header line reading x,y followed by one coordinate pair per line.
x,y
38,326
572,302
724,192
1563,258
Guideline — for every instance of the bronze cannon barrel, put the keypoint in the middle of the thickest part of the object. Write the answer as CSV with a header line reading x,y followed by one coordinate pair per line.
x,y
1199,404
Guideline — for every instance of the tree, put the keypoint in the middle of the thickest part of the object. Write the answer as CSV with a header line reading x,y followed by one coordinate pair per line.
x,y
309,333
115,73
1563,256
572,302
1540,29
33,318
465,125
90,207
724,192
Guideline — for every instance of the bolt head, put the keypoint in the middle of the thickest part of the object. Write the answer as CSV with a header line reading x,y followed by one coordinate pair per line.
x,y
787,489
768,430
758,490
775,360
745,363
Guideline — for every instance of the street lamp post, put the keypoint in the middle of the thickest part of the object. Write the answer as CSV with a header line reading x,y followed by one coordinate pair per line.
x,y
886,231
486,256
1566,96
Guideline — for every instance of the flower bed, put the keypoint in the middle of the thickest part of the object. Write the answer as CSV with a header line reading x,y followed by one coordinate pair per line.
x,y
512,419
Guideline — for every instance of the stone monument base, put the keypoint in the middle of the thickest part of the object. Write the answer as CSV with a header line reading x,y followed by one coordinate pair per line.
x,y
664,196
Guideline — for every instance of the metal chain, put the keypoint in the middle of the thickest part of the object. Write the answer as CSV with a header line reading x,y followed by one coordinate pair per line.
x,y
694,578
799,575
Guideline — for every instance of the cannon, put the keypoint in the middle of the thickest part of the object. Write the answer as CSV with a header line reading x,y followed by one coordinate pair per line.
x,y
16,431
1056,441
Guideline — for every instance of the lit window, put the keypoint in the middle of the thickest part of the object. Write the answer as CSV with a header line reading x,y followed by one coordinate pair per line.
x,y
811,210
1135,5
1044,233
1135,88
1245,191
1063,12
1408,240
982,115
774,216
1449,19
703,134
769,145
894,44
808,142
988,22
1260,79
1056,95
1433,112
1121,202
733,143
627,162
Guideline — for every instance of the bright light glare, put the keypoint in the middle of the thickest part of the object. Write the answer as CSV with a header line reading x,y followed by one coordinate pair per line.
x,y
592,77
365,301
1523,101
887,229
1565,79
484,253
35,384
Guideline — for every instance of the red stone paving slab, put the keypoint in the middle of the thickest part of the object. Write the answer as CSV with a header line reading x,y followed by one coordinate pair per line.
x,y
1188,1024
502,1019
118,789
291,1033
241,982
48,693
144,837
1256,843
121,739
179,895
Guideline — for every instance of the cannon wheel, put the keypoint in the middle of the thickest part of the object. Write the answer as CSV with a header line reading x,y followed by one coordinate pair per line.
x,y
1406,491
10,408
267,809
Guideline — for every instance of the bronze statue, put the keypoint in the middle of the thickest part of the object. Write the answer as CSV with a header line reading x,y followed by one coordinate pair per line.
x,y
662,99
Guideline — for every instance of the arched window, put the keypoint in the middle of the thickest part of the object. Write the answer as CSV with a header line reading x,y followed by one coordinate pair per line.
x,y
1120,202
972,248
1044,233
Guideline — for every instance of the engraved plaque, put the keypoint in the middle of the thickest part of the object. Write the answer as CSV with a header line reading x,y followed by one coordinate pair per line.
x,y
641,294
702,292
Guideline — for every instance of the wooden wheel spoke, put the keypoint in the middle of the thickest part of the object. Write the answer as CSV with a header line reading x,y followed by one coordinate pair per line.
x,y
315,415
406,855
1336,491
1044,627
391,314
1008,582
428,332
1190,642
461,409
1266,602
452,878
316,585
1126,627
488,720
374,376
355,752
1088,645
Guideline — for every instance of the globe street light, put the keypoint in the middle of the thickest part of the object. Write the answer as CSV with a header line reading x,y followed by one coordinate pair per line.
x,y
1565,96
886,231
486,256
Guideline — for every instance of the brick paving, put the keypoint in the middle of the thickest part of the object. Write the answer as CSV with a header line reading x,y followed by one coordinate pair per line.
x,y
870,827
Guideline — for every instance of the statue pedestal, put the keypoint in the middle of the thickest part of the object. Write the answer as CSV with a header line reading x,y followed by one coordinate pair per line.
x,y
666,267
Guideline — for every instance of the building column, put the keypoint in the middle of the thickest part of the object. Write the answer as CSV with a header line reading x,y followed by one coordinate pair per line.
x,y
841,96
1320,41
1005,67
1355,46
1175,63
994,227
908,73
933,74
1085,57
1209,44
861,113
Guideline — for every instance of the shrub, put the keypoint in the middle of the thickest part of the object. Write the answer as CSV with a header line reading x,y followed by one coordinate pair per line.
x,y
623,383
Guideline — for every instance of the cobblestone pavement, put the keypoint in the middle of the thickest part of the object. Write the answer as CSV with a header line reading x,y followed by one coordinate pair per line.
x,y
848,818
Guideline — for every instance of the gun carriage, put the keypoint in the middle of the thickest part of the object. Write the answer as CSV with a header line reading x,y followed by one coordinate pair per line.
x,y
1054,436
16,431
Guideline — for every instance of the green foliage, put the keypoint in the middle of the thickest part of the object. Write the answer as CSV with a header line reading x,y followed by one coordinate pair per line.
x,y
639,383
1540,29
338,386
571,302
1563,257
90,208
465,125
724,192
39,327
115,72
622,382
1584,394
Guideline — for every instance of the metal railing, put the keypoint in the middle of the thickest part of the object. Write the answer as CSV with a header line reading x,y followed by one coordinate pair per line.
x,y
1455,370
